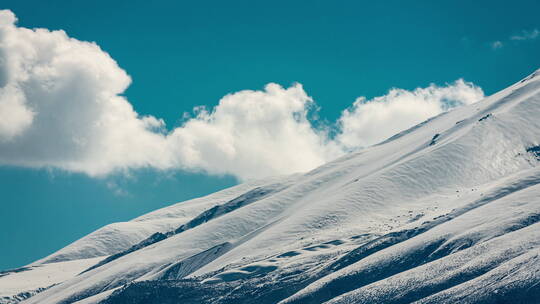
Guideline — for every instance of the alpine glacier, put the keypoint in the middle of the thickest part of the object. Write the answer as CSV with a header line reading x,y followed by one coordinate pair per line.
x,y
445,212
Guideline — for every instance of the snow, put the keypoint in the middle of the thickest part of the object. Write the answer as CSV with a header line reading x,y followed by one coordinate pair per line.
x,y
445,212
34,277
117,237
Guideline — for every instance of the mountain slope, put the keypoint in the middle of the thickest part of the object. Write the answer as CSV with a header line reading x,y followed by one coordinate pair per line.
x,y
446,211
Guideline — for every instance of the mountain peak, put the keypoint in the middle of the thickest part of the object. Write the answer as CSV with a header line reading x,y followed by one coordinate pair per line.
x,y
448,210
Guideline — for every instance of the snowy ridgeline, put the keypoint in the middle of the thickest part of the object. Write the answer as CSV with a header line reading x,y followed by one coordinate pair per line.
x,y
446,212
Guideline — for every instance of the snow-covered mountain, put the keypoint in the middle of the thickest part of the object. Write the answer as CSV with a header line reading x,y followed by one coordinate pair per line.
x,y
445,212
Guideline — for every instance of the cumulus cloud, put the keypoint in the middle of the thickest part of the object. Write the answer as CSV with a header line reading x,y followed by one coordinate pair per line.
x,y
14,115
253,134
368,122
61,106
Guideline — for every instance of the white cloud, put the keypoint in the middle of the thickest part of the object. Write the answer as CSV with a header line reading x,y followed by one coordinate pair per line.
x,y
526,35
368,122
15,117
253,134
496,45
61,106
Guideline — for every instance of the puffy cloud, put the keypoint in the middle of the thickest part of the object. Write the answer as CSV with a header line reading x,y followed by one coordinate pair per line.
x,y
368,122
253,134
14,115
61,106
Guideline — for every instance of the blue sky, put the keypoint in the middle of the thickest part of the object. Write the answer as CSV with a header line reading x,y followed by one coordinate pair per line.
x,y
185,54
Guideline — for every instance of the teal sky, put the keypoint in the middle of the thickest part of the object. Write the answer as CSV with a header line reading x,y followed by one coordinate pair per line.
x,y
183,54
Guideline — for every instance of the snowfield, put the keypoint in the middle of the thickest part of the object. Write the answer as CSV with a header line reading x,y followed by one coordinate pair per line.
x,y
445,212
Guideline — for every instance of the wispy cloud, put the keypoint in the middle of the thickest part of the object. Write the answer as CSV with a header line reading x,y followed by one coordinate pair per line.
x,y
526,35
522,36
496,45
62,106
116,189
